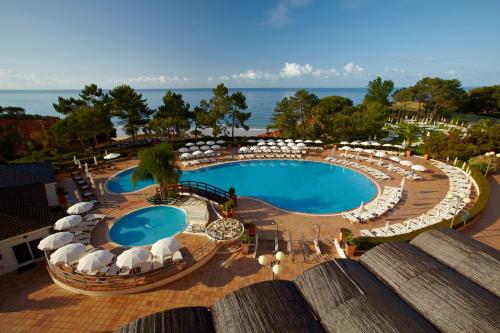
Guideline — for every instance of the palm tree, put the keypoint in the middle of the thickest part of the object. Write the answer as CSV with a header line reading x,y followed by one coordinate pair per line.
x,y
409,133
157,163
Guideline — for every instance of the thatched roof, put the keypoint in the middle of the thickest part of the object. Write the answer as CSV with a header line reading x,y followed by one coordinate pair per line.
x,y
271,306
474,260
448,300
395,287
348,298
180,320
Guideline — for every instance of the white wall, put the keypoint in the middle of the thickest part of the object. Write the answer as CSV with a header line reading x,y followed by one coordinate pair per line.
x,y
50,190
8,261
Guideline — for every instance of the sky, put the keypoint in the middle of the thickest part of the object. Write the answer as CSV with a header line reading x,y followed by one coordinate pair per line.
x,y
262,43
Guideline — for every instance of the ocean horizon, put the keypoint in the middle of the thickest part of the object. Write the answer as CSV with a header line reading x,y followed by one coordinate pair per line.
x,y
260,101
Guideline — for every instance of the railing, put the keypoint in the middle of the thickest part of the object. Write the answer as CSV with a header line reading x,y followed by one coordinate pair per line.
x,y
202,189
120,282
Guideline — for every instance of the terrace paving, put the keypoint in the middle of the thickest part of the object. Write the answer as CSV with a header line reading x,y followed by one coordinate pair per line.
x,y
31,302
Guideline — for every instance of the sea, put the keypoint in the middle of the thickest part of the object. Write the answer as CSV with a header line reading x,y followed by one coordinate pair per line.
x,y
260,101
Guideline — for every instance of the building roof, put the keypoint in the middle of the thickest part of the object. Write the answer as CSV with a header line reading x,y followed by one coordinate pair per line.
x,y
395,287
23,209
18,174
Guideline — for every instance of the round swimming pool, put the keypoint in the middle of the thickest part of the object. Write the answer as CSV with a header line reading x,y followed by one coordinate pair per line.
x,y
147,225
298,186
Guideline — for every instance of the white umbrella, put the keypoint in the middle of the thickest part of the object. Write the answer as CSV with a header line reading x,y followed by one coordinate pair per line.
x,y
208,152
418,167
387,145
279,140
301,144
345,148
67,222
200,143
101,188
270,140
298,140
55,241
67,254
318,141
205,148
194,148
365,143
271,143
132,258
369,151
274,147
262,143
252,141
189,144
94,261
354,143
215,147
210,142
290,144
380,154
186,156
281,143
395,158
358,149
183,150
243,150
374,143
197,153
285,148
254,148
295,148
308,141
111,156
165,247
406,163
261,140
95,160
220,142
80,208
344,142
288,140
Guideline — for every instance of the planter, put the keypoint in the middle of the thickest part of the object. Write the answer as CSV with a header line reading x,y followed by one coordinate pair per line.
x,y
408,153
245,248
350,250
427,157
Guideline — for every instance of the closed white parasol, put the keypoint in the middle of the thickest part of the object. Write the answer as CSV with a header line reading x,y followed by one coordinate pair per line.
x,y
165,247
80,208
55,241
67,222
111,156
67,254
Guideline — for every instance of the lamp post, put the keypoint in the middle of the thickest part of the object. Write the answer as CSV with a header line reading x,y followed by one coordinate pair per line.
x,y
457,198
276,268
491,157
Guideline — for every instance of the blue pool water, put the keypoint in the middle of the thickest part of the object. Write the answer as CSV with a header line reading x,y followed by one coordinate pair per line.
x,y
299,186
147,225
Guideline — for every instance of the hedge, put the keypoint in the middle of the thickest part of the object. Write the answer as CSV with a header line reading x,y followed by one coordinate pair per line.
x,y
366,243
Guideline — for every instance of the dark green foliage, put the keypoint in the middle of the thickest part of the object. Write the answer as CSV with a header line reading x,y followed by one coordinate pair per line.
x,y
379,91
484,101
130,108
172,119
11,110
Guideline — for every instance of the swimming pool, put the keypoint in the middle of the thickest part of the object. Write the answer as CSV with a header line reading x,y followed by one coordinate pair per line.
x,y
147,225
298,186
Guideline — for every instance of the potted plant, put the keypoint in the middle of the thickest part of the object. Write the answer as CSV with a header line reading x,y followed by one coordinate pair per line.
x,y
228,208
350,243
245,243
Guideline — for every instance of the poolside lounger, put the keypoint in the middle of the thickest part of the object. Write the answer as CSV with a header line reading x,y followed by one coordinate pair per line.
x,y
124,271
177,257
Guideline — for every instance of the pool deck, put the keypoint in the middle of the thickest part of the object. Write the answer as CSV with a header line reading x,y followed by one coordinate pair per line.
x,y
31,302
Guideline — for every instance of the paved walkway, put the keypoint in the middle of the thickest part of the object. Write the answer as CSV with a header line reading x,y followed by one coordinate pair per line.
x,y
486,228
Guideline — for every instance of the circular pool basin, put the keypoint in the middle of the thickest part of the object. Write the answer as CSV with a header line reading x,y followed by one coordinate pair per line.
x,y
147,225
296,186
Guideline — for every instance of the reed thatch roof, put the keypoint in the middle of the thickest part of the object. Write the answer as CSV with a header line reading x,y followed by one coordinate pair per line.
x,y
395,287
180,320
271,306
348,298
451,302
474,260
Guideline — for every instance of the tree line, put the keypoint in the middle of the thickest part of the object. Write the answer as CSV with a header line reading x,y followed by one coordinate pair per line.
x,y
88,120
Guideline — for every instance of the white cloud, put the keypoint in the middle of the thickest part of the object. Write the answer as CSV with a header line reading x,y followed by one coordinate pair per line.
x,y
451,72
11,79
325,73
352,68
279,15
292,69
156,79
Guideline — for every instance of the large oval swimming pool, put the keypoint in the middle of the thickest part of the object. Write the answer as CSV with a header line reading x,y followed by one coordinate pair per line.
x,y
147,225
297,186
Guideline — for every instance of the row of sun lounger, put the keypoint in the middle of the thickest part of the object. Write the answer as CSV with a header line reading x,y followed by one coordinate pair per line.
x,y
389,198
199,161
372,171
261,156
446,209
